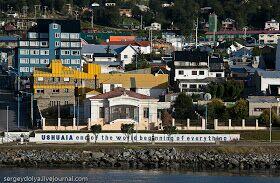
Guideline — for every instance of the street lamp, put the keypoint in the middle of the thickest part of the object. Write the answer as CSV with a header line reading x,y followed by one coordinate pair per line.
x,y
93,5
207,97
7,122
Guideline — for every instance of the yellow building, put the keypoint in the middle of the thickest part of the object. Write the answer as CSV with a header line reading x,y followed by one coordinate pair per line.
x,y
55,85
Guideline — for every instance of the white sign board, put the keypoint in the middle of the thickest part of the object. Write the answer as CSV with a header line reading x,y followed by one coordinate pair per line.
x,y
139,137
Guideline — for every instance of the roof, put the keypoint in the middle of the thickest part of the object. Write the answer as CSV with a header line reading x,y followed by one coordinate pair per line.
x,y
103,55
117,92
191,56
269,74
69,26
93,49
132,43
8,39
122,38
93,92
135,80
206,80
262,99
233,32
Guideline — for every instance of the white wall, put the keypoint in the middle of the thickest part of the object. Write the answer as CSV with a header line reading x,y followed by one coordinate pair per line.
x,y
129,52
105,59
269,38
265,82
188,74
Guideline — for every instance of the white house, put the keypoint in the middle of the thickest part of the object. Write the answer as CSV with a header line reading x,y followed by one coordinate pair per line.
x,y
154,26
109,53
271,25
193,70
267,82
120,106
269,38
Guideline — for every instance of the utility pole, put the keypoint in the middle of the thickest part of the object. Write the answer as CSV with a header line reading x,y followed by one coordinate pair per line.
x,y
18,99
45,11
76,15
31,108
141,22
270,125
7,122
196,30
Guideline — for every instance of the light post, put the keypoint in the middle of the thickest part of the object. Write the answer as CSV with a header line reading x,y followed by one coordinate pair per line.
x,y
207,97
31,104
93,5
7,122
270,125
18,105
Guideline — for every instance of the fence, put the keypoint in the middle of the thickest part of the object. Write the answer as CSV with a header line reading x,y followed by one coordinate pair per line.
x,y
68,124
242,127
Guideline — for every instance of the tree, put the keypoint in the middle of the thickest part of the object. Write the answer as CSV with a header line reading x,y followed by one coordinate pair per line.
x,y
166,118
183,106
127,129
96,129
241,109
169,130
265,117
217,110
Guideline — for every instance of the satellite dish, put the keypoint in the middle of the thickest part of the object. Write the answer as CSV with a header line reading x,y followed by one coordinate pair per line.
x,y
207,96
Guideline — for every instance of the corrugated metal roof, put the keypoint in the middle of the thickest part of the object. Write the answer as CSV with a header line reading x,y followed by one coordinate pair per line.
x,y
92,49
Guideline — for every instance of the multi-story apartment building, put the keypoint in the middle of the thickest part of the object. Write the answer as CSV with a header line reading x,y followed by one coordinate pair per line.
x,y
193,70
48,40
56,84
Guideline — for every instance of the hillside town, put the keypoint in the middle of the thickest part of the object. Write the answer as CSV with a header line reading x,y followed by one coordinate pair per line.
x,y
62,71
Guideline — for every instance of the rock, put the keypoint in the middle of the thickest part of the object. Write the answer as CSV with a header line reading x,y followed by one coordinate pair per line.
x,y
97,155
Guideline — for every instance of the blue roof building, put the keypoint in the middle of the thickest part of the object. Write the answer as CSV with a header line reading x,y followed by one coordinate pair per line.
x,y
48,40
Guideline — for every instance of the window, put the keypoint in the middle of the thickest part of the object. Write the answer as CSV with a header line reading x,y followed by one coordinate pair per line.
x,y
65,44
34,52
75,44
101,112
218,75
33,35
45,52
66,79
66,90
44,43
23,43
146,112
66,102
34,43
125,56
201,72
24,60
24,52
74,36
75,52
44,61
44,35
65,52
64,35
181,72
57,35
194,72
31,69
34,61
24,69
192,86
75,61
55,91
57,44
65,61
40,79
55,26
40,91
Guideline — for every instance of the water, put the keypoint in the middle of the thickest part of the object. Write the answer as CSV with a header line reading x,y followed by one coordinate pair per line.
x,y
131,176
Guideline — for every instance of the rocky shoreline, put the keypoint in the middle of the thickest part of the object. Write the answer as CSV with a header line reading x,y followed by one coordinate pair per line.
x,y
169,158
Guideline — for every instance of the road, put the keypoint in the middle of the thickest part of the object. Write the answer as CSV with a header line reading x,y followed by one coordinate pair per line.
x,y
7,99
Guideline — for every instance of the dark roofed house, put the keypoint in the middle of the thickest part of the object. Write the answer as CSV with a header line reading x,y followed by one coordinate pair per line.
x,y
194,69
